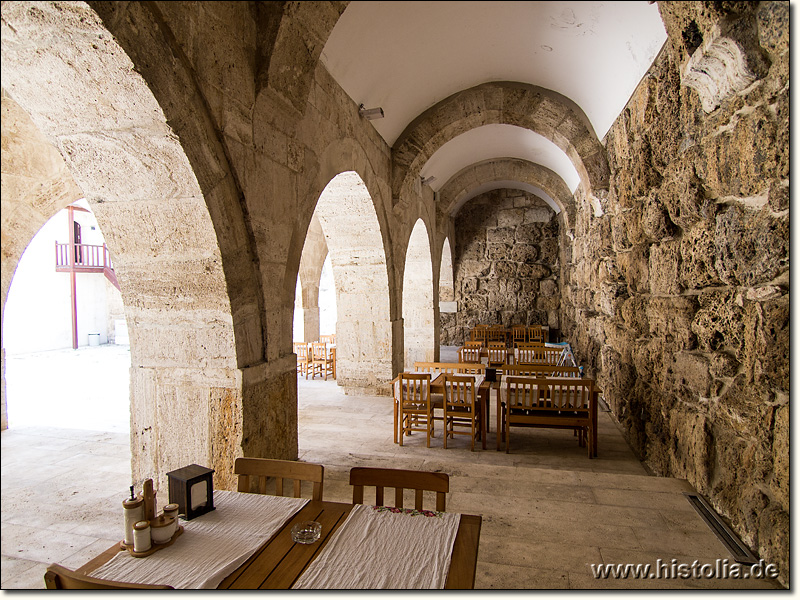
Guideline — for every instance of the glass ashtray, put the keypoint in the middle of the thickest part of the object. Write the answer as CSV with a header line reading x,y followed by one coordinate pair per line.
x,y
306,532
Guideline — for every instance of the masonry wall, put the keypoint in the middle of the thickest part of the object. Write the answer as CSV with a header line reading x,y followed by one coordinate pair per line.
x,y
506,264
678,283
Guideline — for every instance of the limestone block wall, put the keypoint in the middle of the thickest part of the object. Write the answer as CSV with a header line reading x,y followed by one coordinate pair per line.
x,y
676,295
506,260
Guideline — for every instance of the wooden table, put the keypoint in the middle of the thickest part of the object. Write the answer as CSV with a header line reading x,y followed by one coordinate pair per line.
x,y
279,562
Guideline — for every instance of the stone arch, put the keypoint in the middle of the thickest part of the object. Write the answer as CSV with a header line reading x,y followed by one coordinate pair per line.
x,y
418,305
293,34
355,243
550,114
141,185
464,184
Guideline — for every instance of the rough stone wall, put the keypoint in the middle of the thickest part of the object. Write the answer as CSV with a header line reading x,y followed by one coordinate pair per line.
x,y
506,258
677,294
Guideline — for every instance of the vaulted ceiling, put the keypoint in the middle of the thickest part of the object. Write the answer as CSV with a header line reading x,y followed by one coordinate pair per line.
x,y
406,57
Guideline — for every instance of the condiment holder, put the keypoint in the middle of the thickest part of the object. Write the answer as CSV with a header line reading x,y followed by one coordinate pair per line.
x,y
145,532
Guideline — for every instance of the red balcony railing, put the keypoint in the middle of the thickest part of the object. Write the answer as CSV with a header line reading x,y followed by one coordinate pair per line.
x,y
88,258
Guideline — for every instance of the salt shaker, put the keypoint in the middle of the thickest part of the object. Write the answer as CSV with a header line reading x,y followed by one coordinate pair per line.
x,y
141,536
171,510
133,509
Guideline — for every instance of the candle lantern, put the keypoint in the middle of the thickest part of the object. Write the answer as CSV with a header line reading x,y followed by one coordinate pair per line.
x,y
192,489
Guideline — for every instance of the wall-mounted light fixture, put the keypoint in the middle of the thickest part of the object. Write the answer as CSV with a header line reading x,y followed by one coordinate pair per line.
x,y
427,180
370,113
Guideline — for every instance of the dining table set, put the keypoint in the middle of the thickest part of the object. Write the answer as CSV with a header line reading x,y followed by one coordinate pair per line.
x,y
261,541
535,384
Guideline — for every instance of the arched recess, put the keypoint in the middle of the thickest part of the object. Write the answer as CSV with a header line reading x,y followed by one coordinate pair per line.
x,y
315,250
418,309
447,292
546,112
363,327
187,398
528,176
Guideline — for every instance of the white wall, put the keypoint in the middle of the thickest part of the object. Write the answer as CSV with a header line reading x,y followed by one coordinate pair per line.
x,y
38,310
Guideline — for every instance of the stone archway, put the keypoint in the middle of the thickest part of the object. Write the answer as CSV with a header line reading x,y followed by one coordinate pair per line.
x,y
418,312
363,327
549,114
186,391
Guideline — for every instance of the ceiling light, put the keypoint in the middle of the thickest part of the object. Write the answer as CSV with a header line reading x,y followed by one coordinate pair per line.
x,y
370,113
427,180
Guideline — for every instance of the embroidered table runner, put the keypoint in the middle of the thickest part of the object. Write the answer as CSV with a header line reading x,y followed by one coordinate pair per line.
x,y
211,546
385,548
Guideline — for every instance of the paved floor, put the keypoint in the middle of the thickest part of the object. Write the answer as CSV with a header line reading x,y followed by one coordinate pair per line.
x,y
549,512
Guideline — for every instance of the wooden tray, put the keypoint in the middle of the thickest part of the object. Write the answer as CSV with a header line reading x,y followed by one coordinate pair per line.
x,y
154,547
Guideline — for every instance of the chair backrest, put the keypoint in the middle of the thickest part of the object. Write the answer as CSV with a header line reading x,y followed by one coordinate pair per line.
x,y
459,392
535,333
496,333
557,395
497,353
301,349
518,334
260,469
473,344
479,333
60,578
415,389
439,367
469,355
531,353
400,479
319,351
543,370
328,339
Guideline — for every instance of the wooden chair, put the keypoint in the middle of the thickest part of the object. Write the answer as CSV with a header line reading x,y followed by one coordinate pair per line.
x,y
328,339
553,403
469,354
496,333
497,355
60,578
414,405
400,479
536,334
460,408
259,470
479,333
519,334
303,358
321,360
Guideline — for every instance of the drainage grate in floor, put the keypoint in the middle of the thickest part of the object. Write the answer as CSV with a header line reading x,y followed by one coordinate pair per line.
x,y
738,550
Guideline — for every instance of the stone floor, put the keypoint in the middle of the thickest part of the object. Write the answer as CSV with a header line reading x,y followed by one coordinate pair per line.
x,y
549,512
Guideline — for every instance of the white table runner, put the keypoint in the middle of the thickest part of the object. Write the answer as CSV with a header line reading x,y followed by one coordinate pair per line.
x,y
211,546
385,548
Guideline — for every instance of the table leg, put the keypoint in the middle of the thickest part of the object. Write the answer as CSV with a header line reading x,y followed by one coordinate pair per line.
x,y
499,415
395,422
484,415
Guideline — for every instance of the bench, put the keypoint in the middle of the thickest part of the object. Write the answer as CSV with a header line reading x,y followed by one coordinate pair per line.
x,y
560,403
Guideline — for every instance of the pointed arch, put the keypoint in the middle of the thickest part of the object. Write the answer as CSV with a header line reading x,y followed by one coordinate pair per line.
x,y
363,325
418,310
543,111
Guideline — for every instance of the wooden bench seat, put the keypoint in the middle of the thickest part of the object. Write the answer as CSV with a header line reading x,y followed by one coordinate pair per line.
x,y
560,403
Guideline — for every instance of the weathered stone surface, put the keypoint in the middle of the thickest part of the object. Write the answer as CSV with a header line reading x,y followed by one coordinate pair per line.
x,y
751,248
696,224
